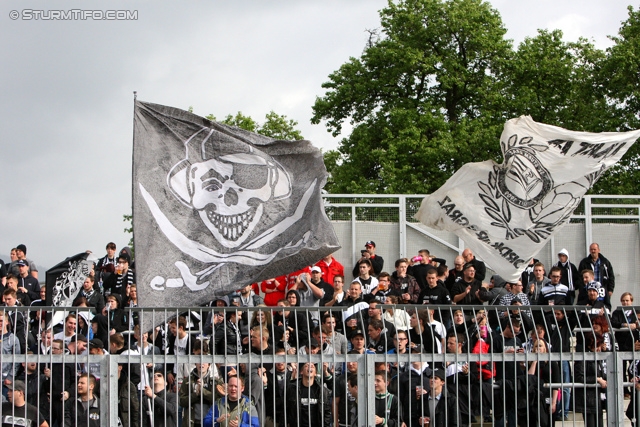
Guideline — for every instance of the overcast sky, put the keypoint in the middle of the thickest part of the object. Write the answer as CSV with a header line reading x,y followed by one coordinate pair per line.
x,y
67,104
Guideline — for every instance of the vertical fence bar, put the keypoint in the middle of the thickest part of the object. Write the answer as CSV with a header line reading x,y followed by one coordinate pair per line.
x,y
354,244
588,226
402,223
109,391
615,390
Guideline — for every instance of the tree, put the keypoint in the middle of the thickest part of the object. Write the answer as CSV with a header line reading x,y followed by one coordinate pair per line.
x,y
620,75
557,83
436,83
422,98
275,126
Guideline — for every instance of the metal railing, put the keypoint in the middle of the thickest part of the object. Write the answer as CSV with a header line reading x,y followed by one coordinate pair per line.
x,y
488,384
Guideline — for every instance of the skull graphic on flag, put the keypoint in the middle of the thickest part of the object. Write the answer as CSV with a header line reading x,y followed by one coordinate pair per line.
x,y
217,207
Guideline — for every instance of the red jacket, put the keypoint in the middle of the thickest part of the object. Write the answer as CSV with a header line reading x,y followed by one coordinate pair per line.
x,y
331,270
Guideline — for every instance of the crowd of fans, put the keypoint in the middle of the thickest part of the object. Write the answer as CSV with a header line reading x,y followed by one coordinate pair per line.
x,y
422,308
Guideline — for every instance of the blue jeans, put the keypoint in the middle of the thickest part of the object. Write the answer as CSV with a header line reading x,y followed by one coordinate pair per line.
x,y
566,392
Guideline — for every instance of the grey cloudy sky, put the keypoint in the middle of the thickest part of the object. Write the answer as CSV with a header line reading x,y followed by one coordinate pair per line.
x,y
67,109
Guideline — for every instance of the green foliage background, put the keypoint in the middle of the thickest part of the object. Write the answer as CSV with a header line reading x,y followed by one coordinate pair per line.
x,y
438,79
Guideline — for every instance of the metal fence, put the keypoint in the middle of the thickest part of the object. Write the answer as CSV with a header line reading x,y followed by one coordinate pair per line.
x,y
611,221
492,373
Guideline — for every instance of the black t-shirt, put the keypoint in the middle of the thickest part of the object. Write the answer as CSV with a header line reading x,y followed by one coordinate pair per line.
x,y
232,404
436,295
27,415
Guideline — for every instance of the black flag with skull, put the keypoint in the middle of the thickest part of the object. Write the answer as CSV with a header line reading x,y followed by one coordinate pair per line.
x,y
216,208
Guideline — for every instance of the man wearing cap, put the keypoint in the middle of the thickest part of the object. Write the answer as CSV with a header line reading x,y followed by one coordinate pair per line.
x,y
26,282
437,407
330,268
21,254
481,269
594,303
34,380
358,342
369,253
318,279
78,345
17,412
465,291
96,348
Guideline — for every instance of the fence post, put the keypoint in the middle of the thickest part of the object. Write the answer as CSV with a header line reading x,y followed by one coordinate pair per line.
x,y
109,390
614,390
402,222
366,394
587,222
354,244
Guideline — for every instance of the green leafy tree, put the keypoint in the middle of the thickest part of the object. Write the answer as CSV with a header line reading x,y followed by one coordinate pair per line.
x,y
129,220
423,98
620,76
275,125
436,83
557,83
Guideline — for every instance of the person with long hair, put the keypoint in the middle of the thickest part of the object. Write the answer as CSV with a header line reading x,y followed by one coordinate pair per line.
x,y
601,327
588,400
547,371
263,319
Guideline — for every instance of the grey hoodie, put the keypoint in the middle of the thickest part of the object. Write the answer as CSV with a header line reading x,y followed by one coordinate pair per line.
x,y
10,345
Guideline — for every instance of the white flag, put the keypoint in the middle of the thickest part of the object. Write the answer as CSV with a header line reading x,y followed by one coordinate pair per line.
x,y
506,212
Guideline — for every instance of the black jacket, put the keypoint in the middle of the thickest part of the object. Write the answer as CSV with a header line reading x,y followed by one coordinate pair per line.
x,y
446,413
308,406
387,407
625,339
407,383
226,339
608,277
76,415
587,399
165,409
